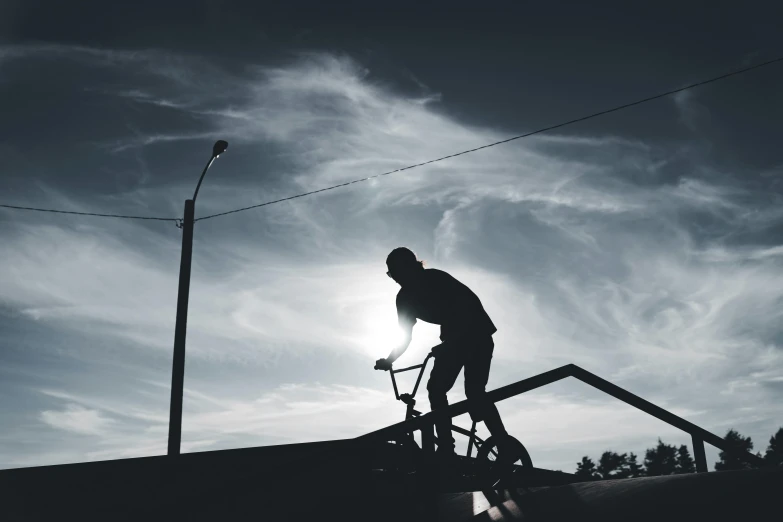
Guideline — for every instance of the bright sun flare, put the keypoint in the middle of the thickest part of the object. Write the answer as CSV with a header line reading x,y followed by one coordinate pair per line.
x,y
380,333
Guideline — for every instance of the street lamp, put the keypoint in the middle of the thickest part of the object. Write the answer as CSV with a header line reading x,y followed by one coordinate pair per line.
x,y
178,368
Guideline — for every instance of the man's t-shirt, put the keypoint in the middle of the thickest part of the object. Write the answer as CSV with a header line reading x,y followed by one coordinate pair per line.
x,y
439,298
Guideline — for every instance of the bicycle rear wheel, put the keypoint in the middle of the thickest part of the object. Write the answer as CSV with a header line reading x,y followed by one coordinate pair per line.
x,y
486,460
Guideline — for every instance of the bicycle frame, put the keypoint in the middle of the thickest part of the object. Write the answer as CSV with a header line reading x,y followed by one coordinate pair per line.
x,y
410,402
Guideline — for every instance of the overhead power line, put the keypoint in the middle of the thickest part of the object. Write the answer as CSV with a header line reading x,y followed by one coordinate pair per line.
x,y
89,213
539,131
583,118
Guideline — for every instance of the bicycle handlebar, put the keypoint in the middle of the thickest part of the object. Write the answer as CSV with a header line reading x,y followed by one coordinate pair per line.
x,y
423,365
408,368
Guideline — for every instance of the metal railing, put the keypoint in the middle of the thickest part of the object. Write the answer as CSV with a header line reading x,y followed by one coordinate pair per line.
x,y
425,423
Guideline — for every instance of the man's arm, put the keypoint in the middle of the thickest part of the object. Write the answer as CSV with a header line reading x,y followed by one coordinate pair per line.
x,y
395,354
406,321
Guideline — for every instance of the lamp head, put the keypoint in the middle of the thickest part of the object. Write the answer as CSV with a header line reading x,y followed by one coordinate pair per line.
x,y
219,148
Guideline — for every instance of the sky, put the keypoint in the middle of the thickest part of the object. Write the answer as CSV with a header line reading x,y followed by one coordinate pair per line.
x,y
642,246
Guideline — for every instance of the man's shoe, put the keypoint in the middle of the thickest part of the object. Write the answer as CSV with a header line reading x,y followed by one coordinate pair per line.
x,y
446,455
446,460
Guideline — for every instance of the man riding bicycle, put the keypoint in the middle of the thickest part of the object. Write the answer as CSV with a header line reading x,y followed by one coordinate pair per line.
x,y
436,297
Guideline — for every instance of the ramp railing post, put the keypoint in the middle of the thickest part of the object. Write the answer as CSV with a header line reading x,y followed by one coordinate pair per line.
x,y
699,455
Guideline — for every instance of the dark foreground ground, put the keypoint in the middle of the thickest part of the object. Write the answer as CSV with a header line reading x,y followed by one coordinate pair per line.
x,y
319,481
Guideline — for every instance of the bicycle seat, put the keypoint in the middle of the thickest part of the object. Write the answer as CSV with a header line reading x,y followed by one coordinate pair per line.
x,y
407,399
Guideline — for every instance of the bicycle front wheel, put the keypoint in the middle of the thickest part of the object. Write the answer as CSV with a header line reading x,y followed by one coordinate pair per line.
x,y
407,455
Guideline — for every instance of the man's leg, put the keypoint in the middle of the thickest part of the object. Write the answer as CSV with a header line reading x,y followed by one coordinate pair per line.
x,y
443,376
476,377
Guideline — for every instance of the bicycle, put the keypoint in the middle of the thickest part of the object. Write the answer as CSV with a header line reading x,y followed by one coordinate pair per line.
x,y
487,451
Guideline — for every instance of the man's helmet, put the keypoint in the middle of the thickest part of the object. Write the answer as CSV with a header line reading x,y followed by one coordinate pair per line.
x,y
401,258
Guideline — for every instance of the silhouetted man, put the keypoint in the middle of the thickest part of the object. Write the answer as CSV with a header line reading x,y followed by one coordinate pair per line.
x,y
466,331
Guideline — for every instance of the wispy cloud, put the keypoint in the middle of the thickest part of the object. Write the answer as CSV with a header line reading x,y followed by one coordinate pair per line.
x,y
76,419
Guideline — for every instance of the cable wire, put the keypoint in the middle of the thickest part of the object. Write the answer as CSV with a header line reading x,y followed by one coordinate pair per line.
x,y
89,213
583,118
539,131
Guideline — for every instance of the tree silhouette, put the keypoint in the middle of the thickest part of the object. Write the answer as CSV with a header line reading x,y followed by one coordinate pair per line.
x,y
612,465
685,463
585,470
774,453
665,459
633,468
661,460
731,460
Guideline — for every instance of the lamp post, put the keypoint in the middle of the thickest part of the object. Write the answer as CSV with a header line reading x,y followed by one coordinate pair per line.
x,y
178,368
